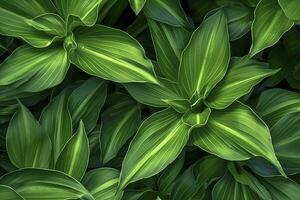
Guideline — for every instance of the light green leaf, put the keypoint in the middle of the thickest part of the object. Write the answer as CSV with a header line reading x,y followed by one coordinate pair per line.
x,y
166,11
291,8
269,24
13,14
86,101
202,71
243,74
137,5
273,104
7,193
119,122
169,42
102,183
111,54
49,23
27,145
156,95
45,184
74,157
86,11
196,119
57,123
159,140
229,189
34,70
236,133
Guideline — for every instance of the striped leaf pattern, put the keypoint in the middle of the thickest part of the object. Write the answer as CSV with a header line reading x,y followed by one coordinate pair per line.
x,y
137,5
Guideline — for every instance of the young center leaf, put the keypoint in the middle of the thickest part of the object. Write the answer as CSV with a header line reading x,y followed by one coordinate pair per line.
x,y
236,133
27,144
137,5
111,54
159,140
205,59
74,157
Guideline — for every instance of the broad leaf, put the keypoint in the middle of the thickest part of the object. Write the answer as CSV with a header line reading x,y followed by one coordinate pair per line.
x,y
119,122
86,11
236,133
111,54
57,123
44,185
200,72
27,144
159,140
102,183
74,157
14,13
291,8
7,193
166,11
168,42
269,24
273,104
33,69
86,101
242,76
137,5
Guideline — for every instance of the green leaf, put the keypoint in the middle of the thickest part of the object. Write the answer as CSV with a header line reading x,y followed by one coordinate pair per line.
x,y
86,11
156,95
167,11
243,74
273,104
14,13
227,188
137,5
57,123
159,140
269,24
236,133
45,184
169,42
196,119
102,183
74,157
49,23
291,8
86,101
27,145
7,193
111,54
34,70
119,122
202,71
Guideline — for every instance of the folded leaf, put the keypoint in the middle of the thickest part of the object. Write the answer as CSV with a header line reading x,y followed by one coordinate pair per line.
x,y
86,11
86,101
159,140
137,5
74,157
200,72
102,183
119,122
291,8
236,133
166,11
273,104
57,123
169,42
7,193
44,185
33,69
13,14
196,119
27,144
269,24
111,54
242,76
